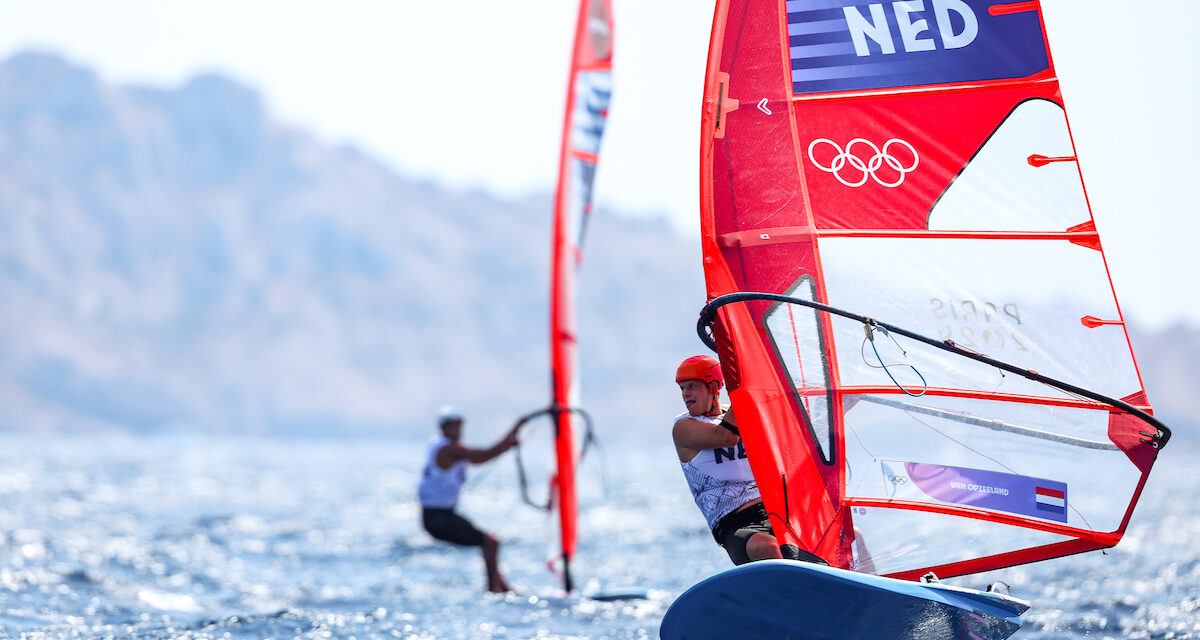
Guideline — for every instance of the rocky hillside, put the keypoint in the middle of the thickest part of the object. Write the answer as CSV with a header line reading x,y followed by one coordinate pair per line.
x,y
176,259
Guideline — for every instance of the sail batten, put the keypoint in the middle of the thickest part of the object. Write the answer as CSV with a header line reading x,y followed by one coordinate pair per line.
x,y
774,235
1107,539
908,168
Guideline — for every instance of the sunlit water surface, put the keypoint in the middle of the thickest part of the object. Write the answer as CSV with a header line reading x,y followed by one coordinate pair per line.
x,y
190,537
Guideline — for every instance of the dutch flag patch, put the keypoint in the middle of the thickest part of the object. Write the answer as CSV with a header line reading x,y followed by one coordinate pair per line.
x,y
1051,500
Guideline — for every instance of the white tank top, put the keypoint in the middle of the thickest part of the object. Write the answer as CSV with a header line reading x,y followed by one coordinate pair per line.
x,y
439,487
720,479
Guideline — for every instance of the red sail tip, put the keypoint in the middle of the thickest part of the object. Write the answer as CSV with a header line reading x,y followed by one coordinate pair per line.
x,y
1016,7
1039,160
1085,235
1092,322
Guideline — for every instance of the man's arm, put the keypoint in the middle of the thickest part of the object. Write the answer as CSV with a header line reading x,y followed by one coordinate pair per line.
x,y
692,435
453,452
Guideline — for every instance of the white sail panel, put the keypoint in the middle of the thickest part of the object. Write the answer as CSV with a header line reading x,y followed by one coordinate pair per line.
x,y
1019,301
899,540
991,443
1051,196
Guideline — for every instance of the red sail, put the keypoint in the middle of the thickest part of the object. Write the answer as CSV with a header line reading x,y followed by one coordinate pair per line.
x,y
588,93
911,162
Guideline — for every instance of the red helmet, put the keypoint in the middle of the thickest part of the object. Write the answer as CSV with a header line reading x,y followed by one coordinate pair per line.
x,y
704,368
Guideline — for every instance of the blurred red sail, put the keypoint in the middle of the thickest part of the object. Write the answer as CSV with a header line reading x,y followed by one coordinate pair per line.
x,y
589,90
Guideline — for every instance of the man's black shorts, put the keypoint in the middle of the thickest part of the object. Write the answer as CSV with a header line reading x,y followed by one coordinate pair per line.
x,y
735,529
444,524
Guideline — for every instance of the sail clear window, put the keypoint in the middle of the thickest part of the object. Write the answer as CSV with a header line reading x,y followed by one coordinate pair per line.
x,y
795,332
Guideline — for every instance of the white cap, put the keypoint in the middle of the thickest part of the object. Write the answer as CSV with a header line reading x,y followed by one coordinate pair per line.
x,y
447,413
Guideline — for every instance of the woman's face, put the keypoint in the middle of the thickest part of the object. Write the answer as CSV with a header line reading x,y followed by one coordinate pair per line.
x,y
696,396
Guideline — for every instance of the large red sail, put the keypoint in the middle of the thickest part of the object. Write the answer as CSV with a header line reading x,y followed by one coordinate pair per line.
x,y
911,162
588,93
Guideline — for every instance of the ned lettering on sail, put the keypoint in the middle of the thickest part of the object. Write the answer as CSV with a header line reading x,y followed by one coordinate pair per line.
x,y
915,33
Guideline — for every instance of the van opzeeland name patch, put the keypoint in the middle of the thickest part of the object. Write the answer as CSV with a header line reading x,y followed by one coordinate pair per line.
x,y
998,491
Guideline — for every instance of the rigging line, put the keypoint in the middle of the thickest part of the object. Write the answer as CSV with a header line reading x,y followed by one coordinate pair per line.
x,y
476,478
602,467
1000,425
870,337
522,477
983,455
997,425
910,408
1158,439
960,443
1074,509
1153,438
862,444
589,439
524,482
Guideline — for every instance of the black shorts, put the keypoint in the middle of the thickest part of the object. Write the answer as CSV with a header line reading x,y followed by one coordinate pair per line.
x,y
444,524
735,530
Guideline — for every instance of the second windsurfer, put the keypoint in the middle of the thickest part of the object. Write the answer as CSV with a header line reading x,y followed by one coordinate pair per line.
x,y
442,481
717,470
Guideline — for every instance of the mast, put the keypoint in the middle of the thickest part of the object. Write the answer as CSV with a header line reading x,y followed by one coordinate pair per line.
x,y
588,92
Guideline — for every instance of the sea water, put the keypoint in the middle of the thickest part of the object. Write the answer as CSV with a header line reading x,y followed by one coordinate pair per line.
x,y
226,537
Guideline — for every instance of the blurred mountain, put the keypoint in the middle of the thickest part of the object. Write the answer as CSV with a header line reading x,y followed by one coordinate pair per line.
x,y
1167,361
176,258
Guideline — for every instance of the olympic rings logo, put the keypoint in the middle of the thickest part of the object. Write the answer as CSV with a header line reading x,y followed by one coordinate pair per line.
x,y
876,158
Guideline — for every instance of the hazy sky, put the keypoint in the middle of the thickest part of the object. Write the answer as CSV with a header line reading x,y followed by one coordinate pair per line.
x,y
470,93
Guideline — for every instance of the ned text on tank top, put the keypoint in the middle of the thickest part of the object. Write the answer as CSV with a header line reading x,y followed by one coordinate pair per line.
x,y
720,479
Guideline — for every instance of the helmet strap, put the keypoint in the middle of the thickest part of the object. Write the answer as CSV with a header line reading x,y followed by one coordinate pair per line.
x,y
714,388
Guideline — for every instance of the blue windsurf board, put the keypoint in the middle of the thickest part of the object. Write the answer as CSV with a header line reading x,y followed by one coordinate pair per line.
x,y
805,601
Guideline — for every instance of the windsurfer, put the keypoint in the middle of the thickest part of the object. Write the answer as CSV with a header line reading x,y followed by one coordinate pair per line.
x,y
718,471
442,481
